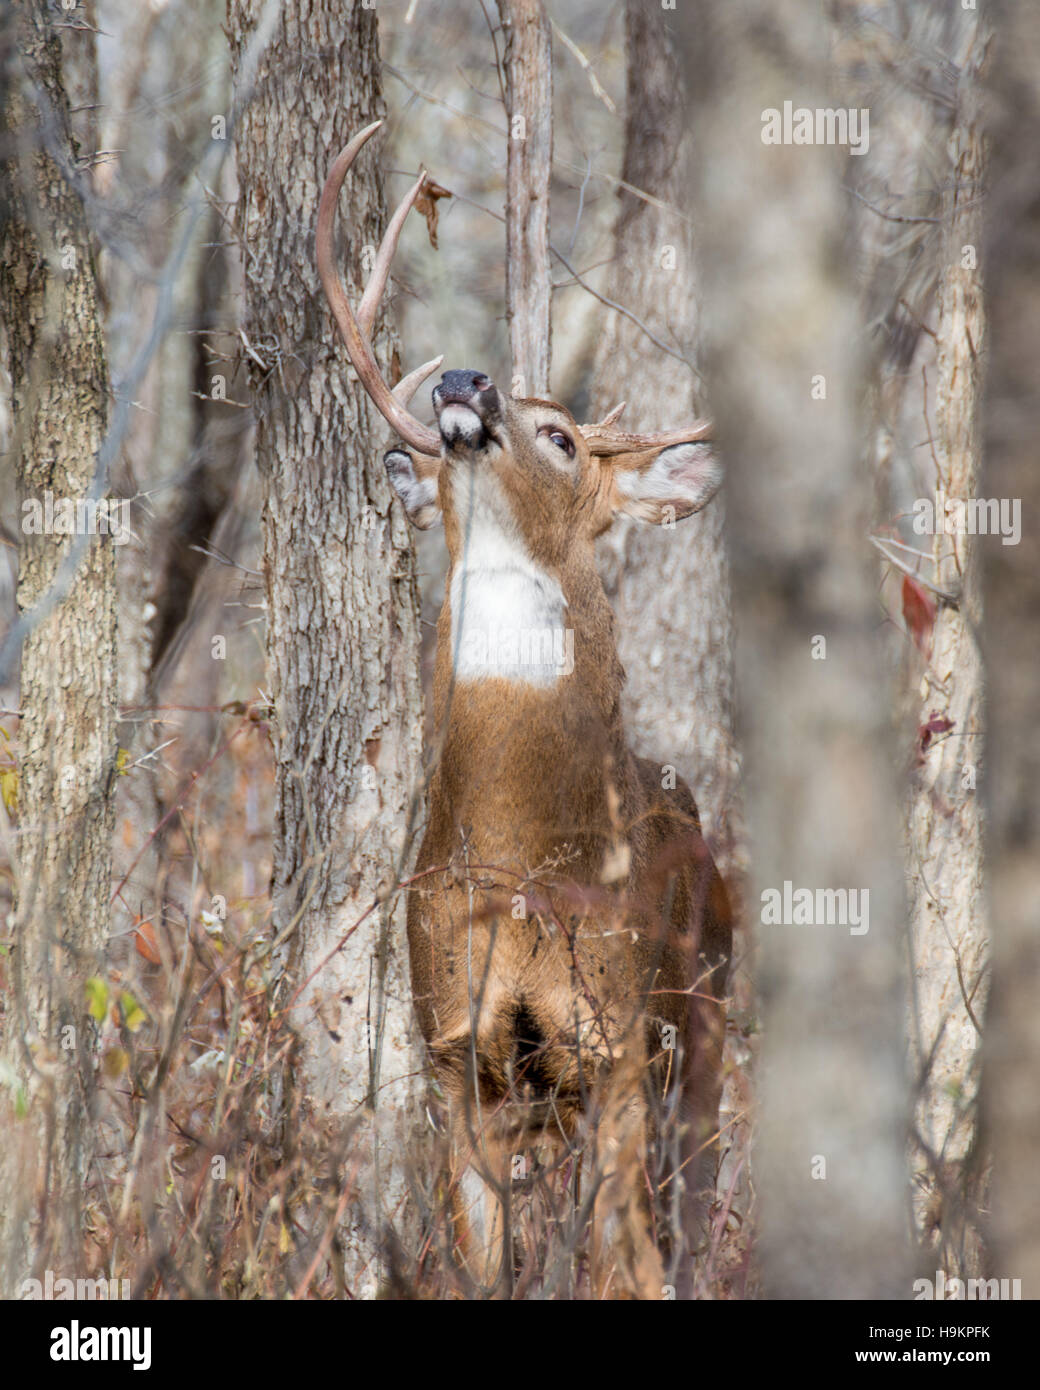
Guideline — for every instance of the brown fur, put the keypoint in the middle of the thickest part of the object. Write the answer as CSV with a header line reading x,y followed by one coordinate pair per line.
x,y
534,1023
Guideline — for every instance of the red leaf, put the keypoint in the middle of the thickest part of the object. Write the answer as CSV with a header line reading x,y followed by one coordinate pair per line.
x,y
918,613
935,724
146,943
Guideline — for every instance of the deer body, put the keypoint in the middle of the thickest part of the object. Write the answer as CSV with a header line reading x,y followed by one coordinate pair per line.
x,y
568,914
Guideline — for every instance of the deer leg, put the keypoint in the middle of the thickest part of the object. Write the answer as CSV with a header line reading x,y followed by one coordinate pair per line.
x,y
625,1262
480,1164
480,1209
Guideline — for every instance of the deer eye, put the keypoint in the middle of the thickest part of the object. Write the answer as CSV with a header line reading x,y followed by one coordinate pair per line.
x,y
560,439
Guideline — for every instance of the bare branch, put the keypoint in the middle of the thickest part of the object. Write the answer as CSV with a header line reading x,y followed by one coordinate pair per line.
x,y
594,82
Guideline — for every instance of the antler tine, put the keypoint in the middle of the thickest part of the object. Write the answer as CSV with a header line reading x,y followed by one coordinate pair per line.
x,y
418,435
408,385
366,314
604,440
612,416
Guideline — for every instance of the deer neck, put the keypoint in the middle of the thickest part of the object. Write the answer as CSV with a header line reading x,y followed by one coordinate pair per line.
x,y
526,695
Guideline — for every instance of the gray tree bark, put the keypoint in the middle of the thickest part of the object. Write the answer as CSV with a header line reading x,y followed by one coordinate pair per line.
x,y
669,586
528,68
948,921
67,743
917,213
1011,637
342,626
781,330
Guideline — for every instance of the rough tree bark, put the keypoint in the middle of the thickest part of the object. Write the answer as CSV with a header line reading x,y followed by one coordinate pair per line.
x,y
528,67
917,205
342,626
948,922
1011,261
669,586
781,329
67,742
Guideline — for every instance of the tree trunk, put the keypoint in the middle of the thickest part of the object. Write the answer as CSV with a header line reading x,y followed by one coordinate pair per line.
x,y
342,626
1011,1096
67,744
669,586
784,374
528,66
949,929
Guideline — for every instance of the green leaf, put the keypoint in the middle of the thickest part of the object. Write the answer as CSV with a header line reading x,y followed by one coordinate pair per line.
x,y
133,1014
97,998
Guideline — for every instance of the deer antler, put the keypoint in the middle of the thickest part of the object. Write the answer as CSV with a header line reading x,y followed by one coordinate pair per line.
x,y
604,440
355,331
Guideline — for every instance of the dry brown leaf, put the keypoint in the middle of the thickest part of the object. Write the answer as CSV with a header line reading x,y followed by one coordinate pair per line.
x,y
426,204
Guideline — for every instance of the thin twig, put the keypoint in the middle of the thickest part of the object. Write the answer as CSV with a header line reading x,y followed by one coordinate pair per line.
x,y
579,279
594,82
581,203
640,193
498,61
889,216
946,596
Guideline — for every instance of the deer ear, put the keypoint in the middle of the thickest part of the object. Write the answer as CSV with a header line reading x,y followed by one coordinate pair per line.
x,y
414,478
662,485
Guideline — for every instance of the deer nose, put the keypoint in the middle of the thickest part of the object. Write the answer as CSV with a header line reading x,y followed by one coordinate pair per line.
x,y
461,386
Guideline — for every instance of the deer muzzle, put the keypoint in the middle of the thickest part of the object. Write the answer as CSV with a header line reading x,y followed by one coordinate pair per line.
x,y
467,407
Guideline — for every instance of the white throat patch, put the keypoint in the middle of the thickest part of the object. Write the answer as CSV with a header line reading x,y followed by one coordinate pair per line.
x,y
508,615
459,422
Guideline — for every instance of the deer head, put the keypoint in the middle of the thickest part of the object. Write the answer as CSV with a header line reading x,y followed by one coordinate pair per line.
x,y
518,474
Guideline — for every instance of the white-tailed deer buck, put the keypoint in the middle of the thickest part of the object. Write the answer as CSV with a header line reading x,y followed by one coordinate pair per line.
x,y
569,963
